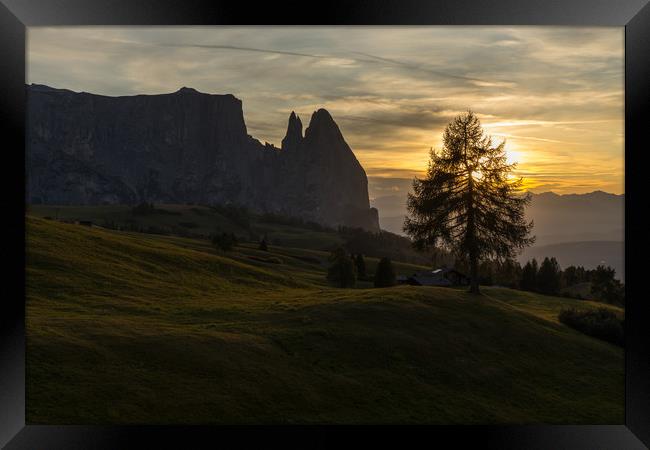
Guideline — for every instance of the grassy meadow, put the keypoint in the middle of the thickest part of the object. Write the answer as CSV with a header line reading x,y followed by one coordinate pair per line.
x,y
133,328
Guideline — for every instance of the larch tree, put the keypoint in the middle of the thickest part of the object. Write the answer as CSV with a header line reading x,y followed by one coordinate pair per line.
x,y
468,203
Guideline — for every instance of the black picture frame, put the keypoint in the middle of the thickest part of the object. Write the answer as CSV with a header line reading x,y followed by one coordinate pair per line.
x,y
16,15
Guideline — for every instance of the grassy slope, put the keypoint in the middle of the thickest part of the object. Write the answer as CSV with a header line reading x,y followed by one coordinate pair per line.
x,y
132,328
204,221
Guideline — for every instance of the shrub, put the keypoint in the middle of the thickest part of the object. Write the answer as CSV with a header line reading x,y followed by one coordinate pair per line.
x,y
385,274
601,323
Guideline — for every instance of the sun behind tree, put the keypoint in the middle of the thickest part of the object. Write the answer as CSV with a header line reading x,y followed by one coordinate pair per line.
x,y
467,203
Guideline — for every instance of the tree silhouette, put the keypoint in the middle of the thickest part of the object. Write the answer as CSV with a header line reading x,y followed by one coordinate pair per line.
x,y
466,202
385,274
529,276
570,276
605,287
341,269
360,263
548,277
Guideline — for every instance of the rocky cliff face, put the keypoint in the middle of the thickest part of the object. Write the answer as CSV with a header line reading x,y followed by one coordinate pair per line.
x,y
188,147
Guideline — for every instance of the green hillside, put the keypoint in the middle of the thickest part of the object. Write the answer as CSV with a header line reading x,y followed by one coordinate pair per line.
x,y
139,328
191,220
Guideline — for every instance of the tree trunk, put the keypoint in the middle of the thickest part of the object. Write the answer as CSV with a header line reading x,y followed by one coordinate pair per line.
x,y
473,288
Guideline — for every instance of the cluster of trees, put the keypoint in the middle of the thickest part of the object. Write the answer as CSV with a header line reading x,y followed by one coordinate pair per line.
x,y
345,269
546,279
550,279
606,287
501,273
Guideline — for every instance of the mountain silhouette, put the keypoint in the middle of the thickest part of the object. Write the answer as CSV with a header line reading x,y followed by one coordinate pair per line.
x,y
188,147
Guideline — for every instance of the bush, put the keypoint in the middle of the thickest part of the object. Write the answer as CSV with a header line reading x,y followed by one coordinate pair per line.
x,y
385,274
601,323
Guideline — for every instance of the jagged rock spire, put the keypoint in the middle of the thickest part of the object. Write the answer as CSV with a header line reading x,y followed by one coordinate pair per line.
x,y
293,138
322,126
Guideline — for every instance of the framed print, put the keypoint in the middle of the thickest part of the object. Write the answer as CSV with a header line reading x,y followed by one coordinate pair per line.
x,y
394,220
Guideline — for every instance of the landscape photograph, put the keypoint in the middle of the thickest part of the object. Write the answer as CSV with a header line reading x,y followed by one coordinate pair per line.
x,y
325,225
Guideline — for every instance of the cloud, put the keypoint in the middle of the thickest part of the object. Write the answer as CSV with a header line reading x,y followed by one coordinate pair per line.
x,y
245,49
555,93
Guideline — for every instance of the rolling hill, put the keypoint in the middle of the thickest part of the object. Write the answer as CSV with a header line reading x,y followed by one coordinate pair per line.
x,y
125,327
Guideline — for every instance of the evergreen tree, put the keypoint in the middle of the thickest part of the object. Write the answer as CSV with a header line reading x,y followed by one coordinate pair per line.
x,y
385,274
508,273
467,202
548,277
361,265
529,276
486,273
570,276
605,287
341,270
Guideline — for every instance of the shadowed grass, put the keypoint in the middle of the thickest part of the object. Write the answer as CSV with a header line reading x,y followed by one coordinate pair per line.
x,y
133,328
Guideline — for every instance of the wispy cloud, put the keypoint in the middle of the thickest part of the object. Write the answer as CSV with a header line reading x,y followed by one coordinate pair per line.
x,y
244,49
556,94
438,73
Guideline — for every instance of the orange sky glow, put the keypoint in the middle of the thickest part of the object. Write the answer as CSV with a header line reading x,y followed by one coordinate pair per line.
x,y
554,94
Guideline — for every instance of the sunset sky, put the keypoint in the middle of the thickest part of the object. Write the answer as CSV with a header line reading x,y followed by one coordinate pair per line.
x,y
555,94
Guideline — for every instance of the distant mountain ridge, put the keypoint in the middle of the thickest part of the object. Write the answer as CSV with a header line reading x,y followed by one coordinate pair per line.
x,y
578,229
188,147
558,218
595,216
